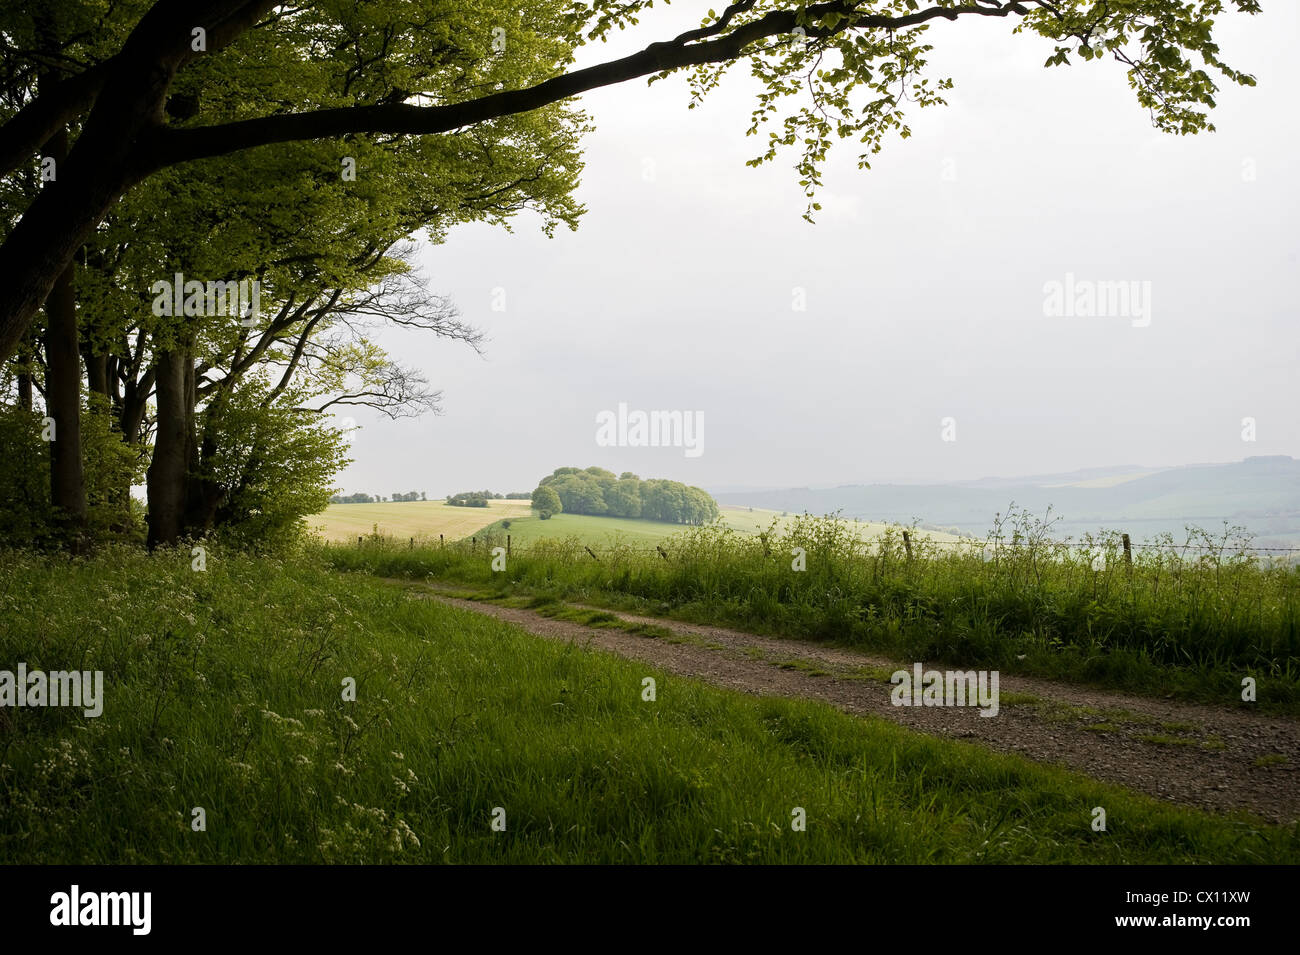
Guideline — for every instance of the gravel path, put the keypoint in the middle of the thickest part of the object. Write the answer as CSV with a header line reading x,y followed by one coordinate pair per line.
x,y
1218,759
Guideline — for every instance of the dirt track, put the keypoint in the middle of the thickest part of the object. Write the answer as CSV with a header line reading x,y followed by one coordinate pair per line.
x,y
1213,758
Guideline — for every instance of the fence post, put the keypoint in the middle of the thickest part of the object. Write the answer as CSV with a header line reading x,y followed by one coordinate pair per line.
x,y
662,553
907,544
412,547
473,543
359,539
441,542
1128,552
591,552
507,545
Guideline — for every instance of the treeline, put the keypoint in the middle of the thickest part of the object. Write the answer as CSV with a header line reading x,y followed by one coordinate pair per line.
x,y
360,498
481,498
599,492
472,499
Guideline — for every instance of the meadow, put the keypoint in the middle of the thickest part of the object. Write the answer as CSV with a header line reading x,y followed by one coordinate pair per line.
x,y
425,520
407,519
225,692
1190,623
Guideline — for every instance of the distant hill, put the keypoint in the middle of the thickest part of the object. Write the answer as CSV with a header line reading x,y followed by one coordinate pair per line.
x,y
1259,493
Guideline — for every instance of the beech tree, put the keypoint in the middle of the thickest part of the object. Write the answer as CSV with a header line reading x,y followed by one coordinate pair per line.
x,y
321,238
447,67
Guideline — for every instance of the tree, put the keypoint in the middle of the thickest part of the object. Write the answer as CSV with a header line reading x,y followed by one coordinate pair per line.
x,y
623,498
546,502
145,86
468,499
320,243
596,491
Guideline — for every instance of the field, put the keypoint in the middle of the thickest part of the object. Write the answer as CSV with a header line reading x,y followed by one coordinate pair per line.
x,y
401,521
1162,625
427,519
222,694
406,519
597,531
754,519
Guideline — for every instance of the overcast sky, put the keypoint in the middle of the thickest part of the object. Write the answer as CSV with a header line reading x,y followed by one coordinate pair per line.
x,y
924,280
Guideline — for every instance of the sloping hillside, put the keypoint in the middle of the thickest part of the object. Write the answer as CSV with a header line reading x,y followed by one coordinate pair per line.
x,y
1260,493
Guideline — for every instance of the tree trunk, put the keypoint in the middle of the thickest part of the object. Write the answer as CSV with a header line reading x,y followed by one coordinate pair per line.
x,y
97,374
25,397
63,402
167,481
63,390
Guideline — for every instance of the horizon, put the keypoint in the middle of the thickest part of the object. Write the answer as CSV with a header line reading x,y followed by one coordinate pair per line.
x,y
739,489
928,291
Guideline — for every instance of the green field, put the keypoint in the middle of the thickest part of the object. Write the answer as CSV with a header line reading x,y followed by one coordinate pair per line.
x,y
609,531
597,531
222,692
425,520
405,519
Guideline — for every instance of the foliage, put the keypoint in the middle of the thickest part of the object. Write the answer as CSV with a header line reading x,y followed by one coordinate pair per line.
x,y
25,513
468,499
547,502
274,465
597,491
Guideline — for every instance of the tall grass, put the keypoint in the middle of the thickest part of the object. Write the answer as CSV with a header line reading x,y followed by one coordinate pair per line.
x,y
222,691
1192,619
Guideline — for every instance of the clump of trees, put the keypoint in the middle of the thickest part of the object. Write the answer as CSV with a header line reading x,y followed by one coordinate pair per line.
x,y
358,498
470,499
599,492
361,498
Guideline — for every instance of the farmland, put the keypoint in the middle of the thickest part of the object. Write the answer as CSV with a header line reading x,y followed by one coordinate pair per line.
x,y
427,519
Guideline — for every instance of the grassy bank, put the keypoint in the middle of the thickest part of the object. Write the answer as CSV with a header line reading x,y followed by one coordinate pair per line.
x,y
1192,623
223,691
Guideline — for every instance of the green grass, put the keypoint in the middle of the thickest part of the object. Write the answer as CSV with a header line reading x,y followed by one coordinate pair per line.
x,y
596,531
752,520
603,533
223,690
1190,628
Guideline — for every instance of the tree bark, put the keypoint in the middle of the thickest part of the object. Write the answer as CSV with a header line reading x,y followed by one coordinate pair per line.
x,y
25,377
63,404
167,480
63,388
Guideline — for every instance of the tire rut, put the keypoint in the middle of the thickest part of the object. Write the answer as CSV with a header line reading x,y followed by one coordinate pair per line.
x,y
1213,758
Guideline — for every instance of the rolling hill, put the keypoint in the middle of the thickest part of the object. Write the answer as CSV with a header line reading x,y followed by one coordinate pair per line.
x,y
1259,493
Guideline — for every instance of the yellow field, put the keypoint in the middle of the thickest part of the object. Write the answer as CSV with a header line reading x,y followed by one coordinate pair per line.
x,y
428,519
411,519
758,519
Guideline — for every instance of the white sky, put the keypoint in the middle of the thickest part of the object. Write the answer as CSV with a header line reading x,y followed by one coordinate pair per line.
x,y
924,291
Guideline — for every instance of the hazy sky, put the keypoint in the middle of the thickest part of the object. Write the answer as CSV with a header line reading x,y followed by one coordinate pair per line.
x,y
924,280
